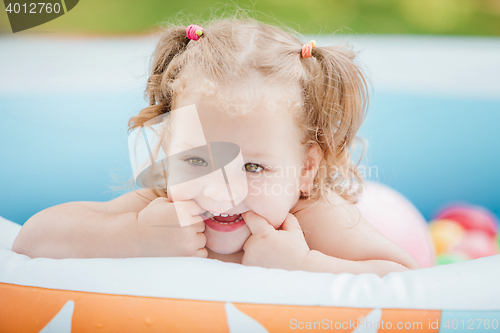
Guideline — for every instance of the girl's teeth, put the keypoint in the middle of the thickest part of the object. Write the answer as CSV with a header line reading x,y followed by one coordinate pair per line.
x,y
237,220
223,215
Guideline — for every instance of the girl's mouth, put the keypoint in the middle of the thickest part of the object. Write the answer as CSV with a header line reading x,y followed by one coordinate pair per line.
x,y
223,222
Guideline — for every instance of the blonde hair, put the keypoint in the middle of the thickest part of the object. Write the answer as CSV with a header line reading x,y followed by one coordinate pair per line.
x,y
334,91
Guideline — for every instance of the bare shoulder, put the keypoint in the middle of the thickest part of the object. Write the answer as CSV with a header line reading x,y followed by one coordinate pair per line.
x,y
317,214
335,227
133,201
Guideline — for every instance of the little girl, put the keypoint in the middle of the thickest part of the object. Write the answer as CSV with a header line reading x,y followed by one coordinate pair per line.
x,y
293,111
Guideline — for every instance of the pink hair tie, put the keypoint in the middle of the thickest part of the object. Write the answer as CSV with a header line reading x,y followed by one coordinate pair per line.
x,y
194,32
307,49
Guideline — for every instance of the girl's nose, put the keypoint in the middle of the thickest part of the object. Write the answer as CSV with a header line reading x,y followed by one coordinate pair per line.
x,y
236,178
217,189
238,185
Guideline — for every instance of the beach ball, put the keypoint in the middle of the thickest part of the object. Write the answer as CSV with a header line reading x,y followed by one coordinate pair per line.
x,y
471,218
445,234
398,220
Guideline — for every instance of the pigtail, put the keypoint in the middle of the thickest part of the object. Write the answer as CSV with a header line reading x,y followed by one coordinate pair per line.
x,y
336,97
165,69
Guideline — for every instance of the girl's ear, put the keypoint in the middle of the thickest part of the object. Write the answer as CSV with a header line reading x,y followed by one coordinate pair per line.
x,y
310,169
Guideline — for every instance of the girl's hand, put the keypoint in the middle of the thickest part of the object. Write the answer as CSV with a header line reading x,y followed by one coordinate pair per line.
x,y
271,248
161,233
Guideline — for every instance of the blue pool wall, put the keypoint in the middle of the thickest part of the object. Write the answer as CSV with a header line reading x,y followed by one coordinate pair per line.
x,y
57,148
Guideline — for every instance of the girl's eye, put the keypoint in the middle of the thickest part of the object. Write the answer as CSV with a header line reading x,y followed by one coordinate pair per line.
x,y
197,161
251,167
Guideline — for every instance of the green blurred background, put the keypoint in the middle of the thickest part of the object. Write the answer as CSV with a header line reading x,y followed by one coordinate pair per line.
x,y
441,17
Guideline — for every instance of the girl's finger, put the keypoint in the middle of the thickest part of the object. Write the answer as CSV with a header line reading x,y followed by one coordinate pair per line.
x,y
256,223
199,226
201,240
291,224
202,253
188,212
191,206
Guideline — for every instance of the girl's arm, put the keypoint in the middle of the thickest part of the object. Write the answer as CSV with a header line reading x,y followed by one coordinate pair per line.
x,y
341,240
85,229
316,261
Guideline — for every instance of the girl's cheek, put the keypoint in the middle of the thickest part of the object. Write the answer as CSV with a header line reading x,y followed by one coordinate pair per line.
x,y
271,198
182,193
255,188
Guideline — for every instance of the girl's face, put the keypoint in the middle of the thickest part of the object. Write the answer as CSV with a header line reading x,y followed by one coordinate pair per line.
x,y
273,157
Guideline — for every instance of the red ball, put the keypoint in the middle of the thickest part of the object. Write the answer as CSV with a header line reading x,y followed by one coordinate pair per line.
x,y
475,244
471,218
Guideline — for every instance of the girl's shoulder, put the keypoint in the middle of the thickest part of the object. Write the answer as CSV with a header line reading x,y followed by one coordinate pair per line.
x,y
336,228
333,226
327,205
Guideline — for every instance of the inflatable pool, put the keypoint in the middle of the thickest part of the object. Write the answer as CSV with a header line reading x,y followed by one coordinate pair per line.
x,y
203,295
